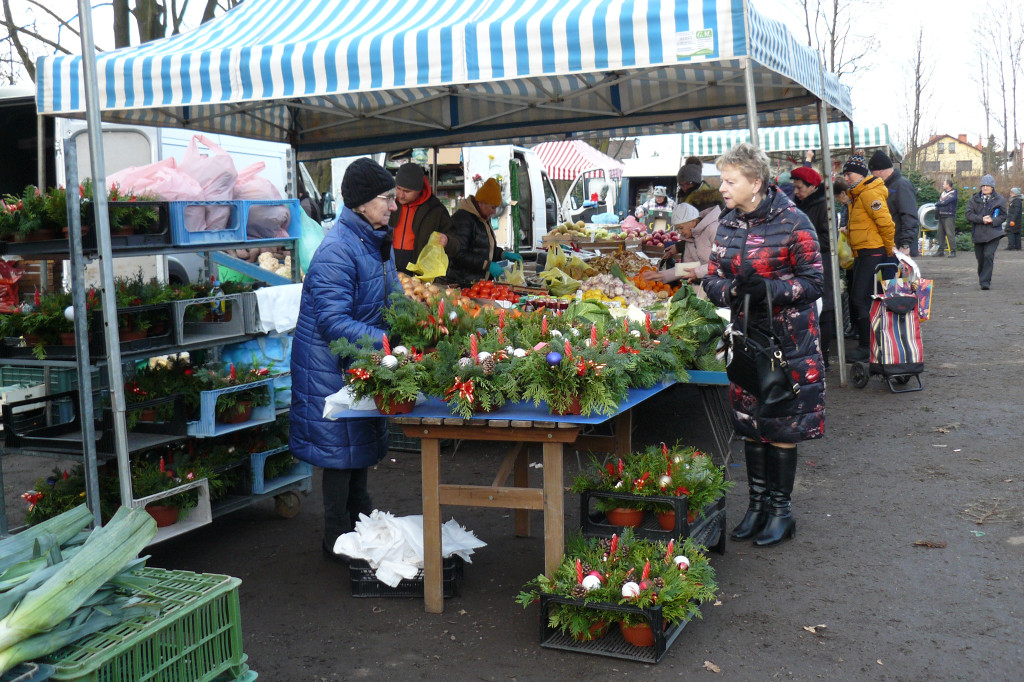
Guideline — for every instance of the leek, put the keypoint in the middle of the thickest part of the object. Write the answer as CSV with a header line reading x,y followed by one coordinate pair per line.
x,y
65,526
102,557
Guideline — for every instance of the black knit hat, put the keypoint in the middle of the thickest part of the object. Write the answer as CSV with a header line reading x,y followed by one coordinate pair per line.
x,y
856,165
410,176
879,161
364,180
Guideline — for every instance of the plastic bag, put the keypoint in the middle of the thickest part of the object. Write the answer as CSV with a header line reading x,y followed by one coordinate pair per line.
x,y
560,283
263,222
514,274
845,252
162,178
266,351
309,242
432,261
216,174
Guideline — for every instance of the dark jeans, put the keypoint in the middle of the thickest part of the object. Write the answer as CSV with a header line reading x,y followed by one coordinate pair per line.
x,y
345,497
986,255
861,288
946,235
1013,241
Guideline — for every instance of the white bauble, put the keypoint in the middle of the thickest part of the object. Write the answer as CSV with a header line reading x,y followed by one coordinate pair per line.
x,y
630,590
618,484
575,331
453,315
510,350
682,563
635,332
465,362
519,353
400,350
665,481
591,582
556,333
389,362
483,355
69,312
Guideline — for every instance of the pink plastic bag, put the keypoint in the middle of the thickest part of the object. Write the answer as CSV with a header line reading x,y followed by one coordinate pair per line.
x,y
263,222
162,178
216,174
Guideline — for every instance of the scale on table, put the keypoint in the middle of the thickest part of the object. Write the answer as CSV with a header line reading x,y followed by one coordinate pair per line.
x,y
658,219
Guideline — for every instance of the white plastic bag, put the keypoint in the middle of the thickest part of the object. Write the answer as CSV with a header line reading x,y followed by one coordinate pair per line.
x,y
216,174
343,400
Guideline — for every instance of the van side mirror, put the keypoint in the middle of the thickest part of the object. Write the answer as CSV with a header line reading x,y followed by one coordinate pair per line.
x,y
327,210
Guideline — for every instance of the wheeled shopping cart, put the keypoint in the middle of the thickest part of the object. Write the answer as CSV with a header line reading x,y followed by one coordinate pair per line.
x,y
897,350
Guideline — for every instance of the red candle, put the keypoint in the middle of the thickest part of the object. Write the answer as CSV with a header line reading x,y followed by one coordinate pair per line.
x,y
472,346
593,335
386,344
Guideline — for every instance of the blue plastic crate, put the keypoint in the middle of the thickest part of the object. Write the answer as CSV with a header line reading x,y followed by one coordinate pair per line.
x,y
254,214
300,471
208,425
283,389
185,214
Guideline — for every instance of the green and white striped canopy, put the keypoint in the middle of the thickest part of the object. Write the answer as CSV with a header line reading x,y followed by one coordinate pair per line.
x,y
791,139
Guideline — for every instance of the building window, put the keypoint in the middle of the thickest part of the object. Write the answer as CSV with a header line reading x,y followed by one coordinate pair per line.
x,y
950,147
931,167
964,166
942,147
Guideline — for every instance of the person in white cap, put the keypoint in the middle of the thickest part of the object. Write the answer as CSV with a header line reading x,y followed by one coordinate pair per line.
x,y
697,231
659,201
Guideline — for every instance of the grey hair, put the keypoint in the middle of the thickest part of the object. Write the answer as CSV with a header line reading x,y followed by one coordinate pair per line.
x,y
750,160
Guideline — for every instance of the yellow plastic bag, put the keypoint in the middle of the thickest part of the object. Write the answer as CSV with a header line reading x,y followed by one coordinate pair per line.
x,y
845,252
432,261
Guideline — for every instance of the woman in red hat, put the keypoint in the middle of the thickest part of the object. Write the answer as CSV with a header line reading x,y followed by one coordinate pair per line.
x,y
810,196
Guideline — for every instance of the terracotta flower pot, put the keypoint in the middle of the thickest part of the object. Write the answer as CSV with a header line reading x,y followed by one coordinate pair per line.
x,y
574,408
667,520
147,415
126,334
393,407
240,413
33,339
622,516
66,231
67,338
595,631
158,328
37,236
637,635
123,231
163,515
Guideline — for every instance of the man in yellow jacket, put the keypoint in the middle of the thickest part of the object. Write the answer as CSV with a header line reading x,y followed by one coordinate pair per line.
x,y
871,236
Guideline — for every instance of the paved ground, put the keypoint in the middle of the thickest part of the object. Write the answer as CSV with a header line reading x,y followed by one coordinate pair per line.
x,y
940,466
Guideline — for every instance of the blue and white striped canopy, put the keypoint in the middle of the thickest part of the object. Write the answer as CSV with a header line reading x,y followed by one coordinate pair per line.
x,y
339,77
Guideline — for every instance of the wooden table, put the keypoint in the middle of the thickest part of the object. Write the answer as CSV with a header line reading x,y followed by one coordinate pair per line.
x,y
520,425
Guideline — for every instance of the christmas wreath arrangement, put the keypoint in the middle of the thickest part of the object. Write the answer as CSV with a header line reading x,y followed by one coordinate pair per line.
x,y
655,472
482,380
392,377
573,377
626,571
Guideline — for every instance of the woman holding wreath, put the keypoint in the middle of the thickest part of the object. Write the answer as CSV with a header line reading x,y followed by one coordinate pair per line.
x,y
768,250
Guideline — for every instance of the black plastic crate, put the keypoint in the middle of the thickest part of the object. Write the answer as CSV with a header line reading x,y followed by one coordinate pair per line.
x,y
708,531
365,584
613,644
155,234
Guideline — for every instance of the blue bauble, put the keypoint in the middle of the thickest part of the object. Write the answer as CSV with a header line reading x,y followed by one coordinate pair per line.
x,y
554,358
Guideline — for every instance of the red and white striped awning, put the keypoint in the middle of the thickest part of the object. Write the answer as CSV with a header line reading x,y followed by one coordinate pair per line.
x,y
566,159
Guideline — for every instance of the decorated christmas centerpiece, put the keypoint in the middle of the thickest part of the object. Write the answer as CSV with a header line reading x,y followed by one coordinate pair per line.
x,y
623,581
482,380
392,377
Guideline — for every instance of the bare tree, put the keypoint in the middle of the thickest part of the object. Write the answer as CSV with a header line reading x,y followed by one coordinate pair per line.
x,y
1015,51
921,71
830,30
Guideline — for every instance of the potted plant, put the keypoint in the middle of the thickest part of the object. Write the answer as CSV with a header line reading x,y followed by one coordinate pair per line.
x,y
626,572
478,381
126,218
22,217
150,478
236,407
392,379
572,379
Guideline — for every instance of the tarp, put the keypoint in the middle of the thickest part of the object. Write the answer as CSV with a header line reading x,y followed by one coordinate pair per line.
x,y
791,139
566,159
333,77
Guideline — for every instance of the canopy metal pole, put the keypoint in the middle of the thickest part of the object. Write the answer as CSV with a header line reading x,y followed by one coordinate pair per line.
x,y
833,230
99,182
748,82
44,265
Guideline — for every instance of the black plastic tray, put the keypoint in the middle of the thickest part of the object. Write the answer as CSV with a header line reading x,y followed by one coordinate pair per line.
x,y
706,531
154,235
365,583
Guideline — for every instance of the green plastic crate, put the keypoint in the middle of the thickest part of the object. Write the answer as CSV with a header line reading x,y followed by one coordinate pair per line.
x,y
60,379
196,637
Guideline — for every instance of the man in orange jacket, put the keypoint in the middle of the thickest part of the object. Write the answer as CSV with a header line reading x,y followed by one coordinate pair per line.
x,y
420,214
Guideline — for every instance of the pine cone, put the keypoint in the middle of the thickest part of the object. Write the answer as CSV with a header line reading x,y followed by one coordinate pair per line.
x,y
659,583
488,366
579,592
375,358
587,568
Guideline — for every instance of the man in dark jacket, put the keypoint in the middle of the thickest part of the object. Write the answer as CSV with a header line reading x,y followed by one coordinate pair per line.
x,y
478,253
946,208
1013,217
343,296
419,215
902,203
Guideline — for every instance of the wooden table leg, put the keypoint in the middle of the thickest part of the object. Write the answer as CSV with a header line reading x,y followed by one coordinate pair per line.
x,y
554,508
433,587
624,434
521,479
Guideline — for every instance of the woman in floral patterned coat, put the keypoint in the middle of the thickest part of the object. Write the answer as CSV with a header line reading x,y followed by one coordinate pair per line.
x,y
765,245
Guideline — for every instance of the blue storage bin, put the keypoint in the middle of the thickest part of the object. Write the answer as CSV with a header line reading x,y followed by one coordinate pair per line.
x,y
257,460
209,426
185,214
283,389
259,219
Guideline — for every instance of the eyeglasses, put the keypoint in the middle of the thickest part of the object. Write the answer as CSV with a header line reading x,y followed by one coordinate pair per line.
x,y
389,197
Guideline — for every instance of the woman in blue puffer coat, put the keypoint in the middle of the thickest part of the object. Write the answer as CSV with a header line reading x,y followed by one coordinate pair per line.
x,y
343,296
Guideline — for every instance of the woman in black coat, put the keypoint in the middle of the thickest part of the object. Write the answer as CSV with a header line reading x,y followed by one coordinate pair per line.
x,y
986,212
766,246
810,197
477,253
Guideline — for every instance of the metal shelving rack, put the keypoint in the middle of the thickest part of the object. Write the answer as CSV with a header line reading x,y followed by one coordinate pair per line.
x,y
124,442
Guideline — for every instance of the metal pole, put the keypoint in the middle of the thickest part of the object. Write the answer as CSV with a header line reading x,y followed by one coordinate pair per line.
x,y
44,265
748,82
81,320
833,230
99,180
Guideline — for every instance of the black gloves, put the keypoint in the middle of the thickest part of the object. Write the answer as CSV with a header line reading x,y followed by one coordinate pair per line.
x,y
755,287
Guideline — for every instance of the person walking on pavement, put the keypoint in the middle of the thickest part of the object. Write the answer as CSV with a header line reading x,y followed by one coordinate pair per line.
x,y
1013,217
871,234
420,213
902,203
477,254
946,208
986,212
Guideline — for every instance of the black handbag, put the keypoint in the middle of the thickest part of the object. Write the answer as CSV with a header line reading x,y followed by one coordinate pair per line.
x,y
755,361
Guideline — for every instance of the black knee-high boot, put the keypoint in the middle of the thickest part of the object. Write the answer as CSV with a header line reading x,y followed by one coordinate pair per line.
x,y
780,464
757,514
